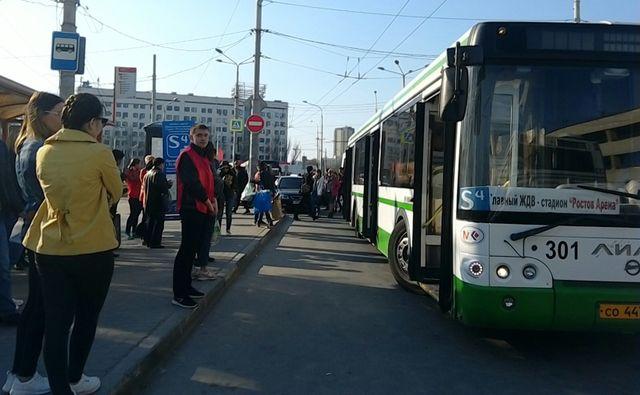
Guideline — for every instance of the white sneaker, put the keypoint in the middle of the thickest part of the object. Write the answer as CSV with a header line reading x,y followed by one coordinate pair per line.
x,y
86,385
37,385
9,383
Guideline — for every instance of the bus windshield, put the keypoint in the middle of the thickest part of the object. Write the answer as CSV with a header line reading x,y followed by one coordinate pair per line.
x,y
535,135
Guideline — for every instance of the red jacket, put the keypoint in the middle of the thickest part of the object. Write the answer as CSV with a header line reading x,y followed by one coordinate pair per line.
x,y
134,184
195,180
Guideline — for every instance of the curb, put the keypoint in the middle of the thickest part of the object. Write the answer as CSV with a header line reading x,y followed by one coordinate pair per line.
x,y
131,374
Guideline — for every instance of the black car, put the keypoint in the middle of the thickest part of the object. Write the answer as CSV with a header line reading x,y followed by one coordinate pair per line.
x,y
289,189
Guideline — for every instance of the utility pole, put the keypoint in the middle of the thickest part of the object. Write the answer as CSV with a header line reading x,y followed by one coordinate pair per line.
x,y
153,91
576,11
68,78
257,104
375,96
236,110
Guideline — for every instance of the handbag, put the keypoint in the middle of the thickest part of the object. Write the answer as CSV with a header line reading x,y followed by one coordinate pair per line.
x,y
276,210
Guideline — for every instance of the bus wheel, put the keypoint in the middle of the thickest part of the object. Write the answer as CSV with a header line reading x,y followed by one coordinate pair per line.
x,y
399,253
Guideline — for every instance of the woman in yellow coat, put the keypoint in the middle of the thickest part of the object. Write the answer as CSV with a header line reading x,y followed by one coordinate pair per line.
x,y
73,237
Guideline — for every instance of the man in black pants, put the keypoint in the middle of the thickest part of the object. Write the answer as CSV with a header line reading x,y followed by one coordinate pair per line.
x,y
196,203
157,196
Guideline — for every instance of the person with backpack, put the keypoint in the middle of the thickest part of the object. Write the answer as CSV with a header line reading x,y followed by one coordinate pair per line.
x,y
230,186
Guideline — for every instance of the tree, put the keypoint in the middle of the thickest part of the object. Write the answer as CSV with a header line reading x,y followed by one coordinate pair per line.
x,y
296,151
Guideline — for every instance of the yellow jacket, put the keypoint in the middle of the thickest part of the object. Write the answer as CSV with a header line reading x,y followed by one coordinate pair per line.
x,y
80,181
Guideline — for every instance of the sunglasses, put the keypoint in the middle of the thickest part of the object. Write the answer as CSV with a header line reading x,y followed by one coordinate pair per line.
x,y
103,120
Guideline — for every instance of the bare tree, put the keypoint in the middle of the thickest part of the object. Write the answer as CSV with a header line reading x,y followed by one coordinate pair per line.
x,y
296,151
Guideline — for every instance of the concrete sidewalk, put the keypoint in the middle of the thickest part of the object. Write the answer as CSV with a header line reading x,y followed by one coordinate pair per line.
x,y
139,325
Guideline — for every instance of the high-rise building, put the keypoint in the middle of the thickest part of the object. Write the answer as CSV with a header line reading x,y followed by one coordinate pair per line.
x,y
340,138
131,115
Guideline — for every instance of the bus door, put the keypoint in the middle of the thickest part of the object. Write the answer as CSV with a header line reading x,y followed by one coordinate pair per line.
x,y
371,200
424,265
348,171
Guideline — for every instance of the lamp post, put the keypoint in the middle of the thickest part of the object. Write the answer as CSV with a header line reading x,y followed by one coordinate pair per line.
x,y
321,132
401,73
164,107
236,96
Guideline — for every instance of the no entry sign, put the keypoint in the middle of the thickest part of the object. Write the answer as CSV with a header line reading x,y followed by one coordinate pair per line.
x,y
255,123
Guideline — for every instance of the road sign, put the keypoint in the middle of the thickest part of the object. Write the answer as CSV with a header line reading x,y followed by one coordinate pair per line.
x,y
175,137
255,123
64,51
125,81
235,125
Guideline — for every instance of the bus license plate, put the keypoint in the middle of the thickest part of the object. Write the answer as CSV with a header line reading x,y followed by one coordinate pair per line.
x,y
619,311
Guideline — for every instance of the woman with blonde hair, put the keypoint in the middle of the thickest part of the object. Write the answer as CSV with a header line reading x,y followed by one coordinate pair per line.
x,y
73,238
41,120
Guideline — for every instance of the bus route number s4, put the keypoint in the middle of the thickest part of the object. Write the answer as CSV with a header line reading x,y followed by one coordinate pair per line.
x,y
476,199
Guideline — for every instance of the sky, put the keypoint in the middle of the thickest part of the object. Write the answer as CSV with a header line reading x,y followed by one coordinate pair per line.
x,y
309,47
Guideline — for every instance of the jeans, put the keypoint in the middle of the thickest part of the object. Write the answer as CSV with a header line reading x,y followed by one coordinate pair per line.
x,y
203,252
6,303
74,289
155,228
194,226
228,205
135,208
31,326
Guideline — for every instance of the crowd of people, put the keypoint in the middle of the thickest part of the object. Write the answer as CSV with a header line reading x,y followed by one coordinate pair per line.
x,y
61,188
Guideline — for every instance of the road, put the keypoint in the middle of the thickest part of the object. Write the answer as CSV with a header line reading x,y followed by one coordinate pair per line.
x,y
318,312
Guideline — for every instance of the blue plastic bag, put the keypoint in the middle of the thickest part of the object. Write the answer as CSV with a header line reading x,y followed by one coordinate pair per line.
x,y
262,202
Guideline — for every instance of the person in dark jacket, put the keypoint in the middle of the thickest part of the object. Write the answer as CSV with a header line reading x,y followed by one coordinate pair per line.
x,y
243,180
157,198
230,186
265,181
197,205
200,271
307,191
11,205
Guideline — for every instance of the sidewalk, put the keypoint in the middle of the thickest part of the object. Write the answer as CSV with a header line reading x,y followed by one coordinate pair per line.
x,y
139,324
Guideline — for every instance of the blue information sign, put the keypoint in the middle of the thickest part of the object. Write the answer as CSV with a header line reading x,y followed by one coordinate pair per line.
x,y
65,51
175,137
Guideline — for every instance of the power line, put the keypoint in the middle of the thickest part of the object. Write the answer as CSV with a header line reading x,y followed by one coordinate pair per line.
x,y
320,70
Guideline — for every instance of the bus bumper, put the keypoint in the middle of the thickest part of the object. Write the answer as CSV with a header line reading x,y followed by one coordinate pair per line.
x,y
568,306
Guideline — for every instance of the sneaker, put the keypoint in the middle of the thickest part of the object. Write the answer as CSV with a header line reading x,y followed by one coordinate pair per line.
x,y
9,382
86,385
35,386
186,303
195,294
228,231
203,274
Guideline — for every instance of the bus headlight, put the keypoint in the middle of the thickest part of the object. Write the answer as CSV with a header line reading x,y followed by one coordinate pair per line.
x,y
502,271
529,272
475,269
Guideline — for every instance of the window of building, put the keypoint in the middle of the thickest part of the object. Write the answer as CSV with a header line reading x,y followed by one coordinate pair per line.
x,y
194,119
261,149
185,118
134,134
125,124
224,139
118,114
261,139
218,111
142,116
169,108
119,105
209,110
159,107
398,151
176,108
269,115
186,109
269,123
135,125
261,157
210,120
225,112
124,132
125,115
224,129
135,105
169,117
203,110
125,105
143,106
158,117
135,115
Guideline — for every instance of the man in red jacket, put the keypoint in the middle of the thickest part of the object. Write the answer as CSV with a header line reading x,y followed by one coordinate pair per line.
x,y
196,204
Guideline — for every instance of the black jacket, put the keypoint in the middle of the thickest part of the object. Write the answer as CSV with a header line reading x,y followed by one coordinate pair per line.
x,y
243,178
10,198
156,192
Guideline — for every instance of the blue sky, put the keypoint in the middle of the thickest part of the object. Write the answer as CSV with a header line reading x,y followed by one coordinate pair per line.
x,y
297,70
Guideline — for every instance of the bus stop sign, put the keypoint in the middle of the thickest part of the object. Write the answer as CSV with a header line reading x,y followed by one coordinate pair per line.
x,y
255,123
65,51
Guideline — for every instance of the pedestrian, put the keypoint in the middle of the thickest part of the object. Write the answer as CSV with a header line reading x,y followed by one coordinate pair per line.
x,y
318,192
141,230
41,120
157,202
230,186
243,180
11,205
132,177
264,181
335,193
73,238
307,191
201,271
196,205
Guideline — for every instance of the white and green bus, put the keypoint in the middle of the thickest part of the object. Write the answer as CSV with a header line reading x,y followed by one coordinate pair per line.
x,y
504,178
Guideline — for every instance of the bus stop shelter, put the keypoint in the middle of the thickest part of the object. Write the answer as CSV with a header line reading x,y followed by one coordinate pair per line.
x,y
13,98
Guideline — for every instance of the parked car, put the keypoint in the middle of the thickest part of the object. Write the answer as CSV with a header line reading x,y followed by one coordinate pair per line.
x,y
289,189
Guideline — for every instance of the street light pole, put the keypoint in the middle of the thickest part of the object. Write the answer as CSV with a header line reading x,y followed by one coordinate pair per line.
x,y
236,96
397,62
321,132
401,73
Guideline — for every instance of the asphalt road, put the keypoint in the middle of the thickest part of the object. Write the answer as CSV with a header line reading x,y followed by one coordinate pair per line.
x,y
318,312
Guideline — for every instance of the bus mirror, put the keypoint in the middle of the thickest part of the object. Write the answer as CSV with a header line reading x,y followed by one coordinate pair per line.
x,y
453,97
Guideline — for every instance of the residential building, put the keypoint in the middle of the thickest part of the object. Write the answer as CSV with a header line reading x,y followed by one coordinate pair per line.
x,y
340,138
131,115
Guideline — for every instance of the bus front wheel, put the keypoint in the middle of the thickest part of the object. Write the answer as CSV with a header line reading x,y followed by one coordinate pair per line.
x,y
399,255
